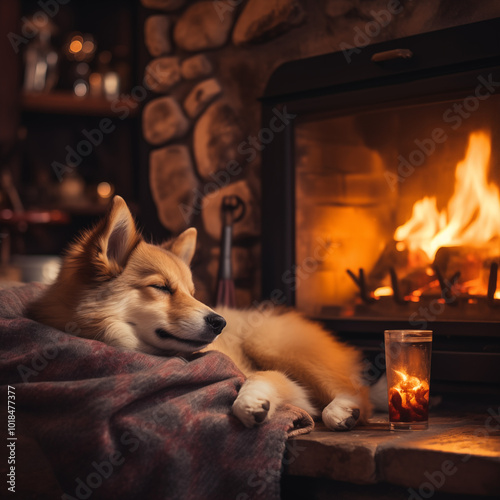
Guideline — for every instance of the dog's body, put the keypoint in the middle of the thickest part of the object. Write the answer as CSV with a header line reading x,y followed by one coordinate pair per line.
x,y
115,287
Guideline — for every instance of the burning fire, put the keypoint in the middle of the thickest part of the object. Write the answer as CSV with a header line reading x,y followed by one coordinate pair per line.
x,y
409,399
473,213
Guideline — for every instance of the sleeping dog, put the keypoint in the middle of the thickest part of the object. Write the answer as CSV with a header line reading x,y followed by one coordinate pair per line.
x,y
126,292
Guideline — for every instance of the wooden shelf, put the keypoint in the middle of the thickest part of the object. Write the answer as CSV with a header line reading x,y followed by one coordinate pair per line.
x,y
67,103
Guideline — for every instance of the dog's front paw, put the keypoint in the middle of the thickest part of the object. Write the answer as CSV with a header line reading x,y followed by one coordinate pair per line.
x,y
250,410
341,414
255,402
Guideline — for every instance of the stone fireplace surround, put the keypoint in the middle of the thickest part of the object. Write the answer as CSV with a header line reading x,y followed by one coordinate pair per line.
x,y
209,62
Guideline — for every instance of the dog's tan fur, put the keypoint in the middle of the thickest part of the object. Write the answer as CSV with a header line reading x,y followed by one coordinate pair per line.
x,y
115,287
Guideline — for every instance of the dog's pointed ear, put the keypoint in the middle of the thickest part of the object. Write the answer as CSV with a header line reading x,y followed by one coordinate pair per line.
x,y
183,246
119,236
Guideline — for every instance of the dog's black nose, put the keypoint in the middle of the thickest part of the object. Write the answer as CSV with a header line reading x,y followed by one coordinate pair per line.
x,y
215,322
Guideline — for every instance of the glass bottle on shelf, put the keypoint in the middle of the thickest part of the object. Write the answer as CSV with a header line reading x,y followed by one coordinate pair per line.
x,y
41,59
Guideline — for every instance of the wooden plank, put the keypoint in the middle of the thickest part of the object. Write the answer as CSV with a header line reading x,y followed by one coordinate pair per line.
x,y
67,103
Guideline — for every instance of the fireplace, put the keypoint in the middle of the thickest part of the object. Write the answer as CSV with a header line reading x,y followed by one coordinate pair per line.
x,y
385,195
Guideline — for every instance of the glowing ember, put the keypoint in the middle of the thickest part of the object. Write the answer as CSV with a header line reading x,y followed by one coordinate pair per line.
x,y
383,291
473,213
409,399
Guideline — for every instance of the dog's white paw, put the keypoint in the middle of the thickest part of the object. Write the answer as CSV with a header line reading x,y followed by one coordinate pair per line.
x,y
255,403
342,413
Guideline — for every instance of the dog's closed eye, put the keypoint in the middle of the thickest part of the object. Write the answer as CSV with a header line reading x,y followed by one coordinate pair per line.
x,y
163,288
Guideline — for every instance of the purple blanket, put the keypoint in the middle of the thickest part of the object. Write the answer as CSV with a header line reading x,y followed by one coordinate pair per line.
x,y
94,421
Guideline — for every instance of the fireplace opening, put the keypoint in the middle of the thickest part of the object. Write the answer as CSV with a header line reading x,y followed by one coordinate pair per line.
x,y
397,210
385,195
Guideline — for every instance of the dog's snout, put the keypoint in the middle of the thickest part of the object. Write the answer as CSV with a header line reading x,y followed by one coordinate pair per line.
x,y
215,322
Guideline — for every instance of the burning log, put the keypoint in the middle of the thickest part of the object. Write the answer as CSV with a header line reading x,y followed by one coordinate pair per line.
x,y
391,256
456,271
397,260
461,239
467,260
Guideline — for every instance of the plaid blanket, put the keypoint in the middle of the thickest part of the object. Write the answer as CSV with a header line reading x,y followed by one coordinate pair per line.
x,y
94,421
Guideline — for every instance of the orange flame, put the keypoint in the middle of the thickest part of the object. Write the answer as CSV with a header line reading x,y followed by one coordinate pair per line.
x,y
473,213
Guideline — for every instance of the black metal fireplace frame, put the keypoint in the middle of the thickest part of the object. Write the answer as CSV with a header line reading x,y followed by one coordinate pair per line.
x,y
445,66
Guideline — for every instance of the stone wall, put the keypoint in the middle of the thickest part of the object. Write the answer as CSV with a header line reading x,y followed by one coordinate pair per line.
x,y
210,61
